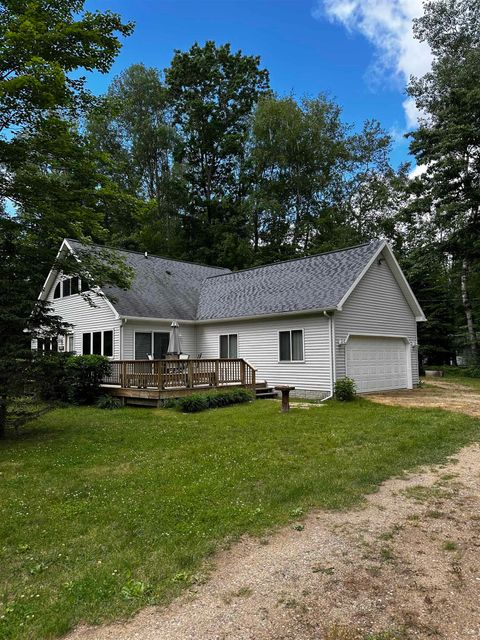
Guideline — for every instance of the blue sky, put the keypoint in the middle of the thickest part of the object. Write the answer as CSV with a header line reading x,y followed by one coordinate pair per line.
x,y
353,50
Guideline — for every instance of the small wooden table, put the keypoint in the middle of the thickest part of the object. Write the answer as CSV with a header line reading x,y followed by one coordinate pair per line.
x,y
285,389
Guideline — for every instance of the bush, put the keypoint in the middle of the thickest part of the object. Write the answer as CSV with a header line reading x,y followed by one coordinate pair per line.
x,y
85,374
109,402
449,371
50,375
202,401
345,389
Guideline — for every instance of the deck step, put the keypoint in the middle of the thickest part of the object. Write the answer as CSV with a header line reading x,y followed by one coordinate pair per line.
x,y
265,392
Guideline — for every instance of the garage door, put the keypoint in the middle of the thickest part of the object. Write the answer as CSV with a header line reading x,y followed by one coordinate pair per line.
x,y
377,364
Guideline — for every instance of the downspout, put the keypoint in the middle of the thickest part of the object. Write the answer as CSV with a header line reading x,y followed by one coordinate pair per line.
x,y
124,322
331,331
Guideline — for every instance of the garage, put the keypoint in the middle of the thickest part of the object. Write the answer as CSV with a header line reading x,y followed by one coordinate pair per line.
x,y
377,363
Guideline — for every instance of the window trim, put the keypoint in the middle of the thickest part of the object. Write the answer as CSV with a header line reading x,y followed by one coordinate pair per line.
x,y
219,342
291,361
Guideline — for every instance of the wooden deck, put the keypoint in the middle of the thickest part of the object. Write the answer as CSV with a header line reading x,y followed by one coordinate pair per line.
x,y
148,382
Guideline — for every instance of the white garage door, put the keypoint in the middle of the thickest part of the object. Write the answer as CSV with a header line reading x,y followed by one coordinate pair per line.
x,y
377,364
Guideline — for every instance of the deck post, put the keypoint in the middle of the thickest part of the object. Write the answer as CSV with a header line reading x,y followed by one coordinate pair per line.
x,y
216,373
160,374
242,372
189,374
124,374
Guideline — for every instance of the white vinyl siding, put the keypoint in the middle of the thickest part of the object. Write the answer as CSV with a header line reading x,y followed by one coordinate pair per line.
x,y
377,307
86,318
258,342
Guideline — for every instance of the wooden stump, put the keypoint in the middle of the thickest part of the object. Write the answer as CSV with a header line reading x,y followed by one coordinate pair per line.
x,y
285,389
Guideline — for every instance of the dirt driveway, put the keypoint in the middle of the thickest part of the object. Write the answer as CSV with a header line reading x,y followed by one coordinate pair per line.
x,y
436,393
404,566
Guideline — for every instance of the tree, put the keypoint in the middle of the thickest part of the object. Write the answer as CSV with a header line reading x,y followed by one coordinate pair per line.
x,y
447,142
213,94
317,186
133,129
48,185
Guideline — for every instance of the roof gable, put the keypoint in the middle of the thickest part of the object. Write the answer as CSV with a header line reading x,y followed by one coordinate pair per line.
x,y
161,287
316,282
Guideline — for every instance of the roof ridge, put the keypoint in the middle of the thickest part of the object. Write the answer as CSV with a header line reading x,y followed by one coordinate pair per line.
x,y
151,255
313,255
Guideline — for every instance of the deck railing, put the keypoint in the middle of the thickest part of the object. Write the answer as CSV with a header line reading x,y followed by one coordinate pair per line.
x,y
181,374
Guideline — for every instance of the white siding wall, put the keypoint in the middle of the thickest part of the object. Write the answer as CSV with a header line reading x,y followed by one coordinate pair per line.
x,y
187,336
84,318
258,343
378,306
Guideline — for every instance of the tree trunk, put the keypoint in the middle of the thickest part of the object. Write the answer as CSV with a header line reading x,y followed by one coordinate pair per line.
x,y
467,307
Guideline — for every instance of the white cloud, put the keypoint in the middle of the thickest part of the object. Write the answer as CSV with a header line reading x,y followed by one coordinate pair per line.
x,y
387,24
418,170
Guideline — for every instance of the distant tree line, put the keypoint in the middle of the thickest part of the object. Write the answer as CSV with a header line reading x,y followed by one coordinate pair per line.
x,y
202,161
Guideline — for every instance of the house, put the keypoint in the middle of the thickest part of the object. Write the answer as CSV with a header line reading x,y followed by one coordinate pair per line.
x,y
305,322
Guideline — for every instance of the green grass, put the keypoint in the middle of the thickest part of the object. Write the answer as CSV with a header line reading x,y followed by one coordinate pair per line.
x,y
102,512
473,383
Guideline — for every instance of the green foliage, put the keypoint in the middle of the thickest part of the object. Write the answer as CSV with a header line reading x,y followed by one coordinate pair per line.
x,y
213,93
192,403
48,171
201,401
85,374
314,185
447,142
172,488
50,375
345,389
460,372
66,378
108,402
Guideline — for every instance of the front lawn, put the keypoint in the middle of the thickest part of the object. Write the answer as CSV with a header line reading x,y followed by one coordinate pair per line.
x,y
102,512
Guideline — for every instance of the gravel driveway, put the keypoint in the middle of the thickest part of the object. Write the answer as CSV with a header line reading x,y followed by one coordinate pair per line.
x,y
406,565
439,393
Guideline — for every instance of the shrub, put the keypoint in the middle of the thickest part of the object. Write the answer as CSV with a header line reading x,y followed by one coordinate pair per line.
x,y
211,400
109,402
51,377
193,403
345,389
472,371
85,373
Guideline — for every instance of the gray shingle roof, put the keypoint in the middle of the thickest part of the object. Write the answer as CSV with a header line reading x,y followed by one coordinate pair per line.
x,y
164,288
315,282
161,288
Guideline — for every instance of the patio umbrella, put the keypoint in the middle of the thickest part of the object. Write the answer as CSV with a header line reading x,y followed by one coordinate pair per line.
x,y
174,347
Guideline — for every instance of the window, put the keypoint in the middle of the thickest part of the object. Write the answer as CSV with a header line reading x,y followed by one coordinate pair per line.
x,y
47,345
84,286
86,345
228,345
108,343
67,287
68,342
151,343
99,343
291,345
